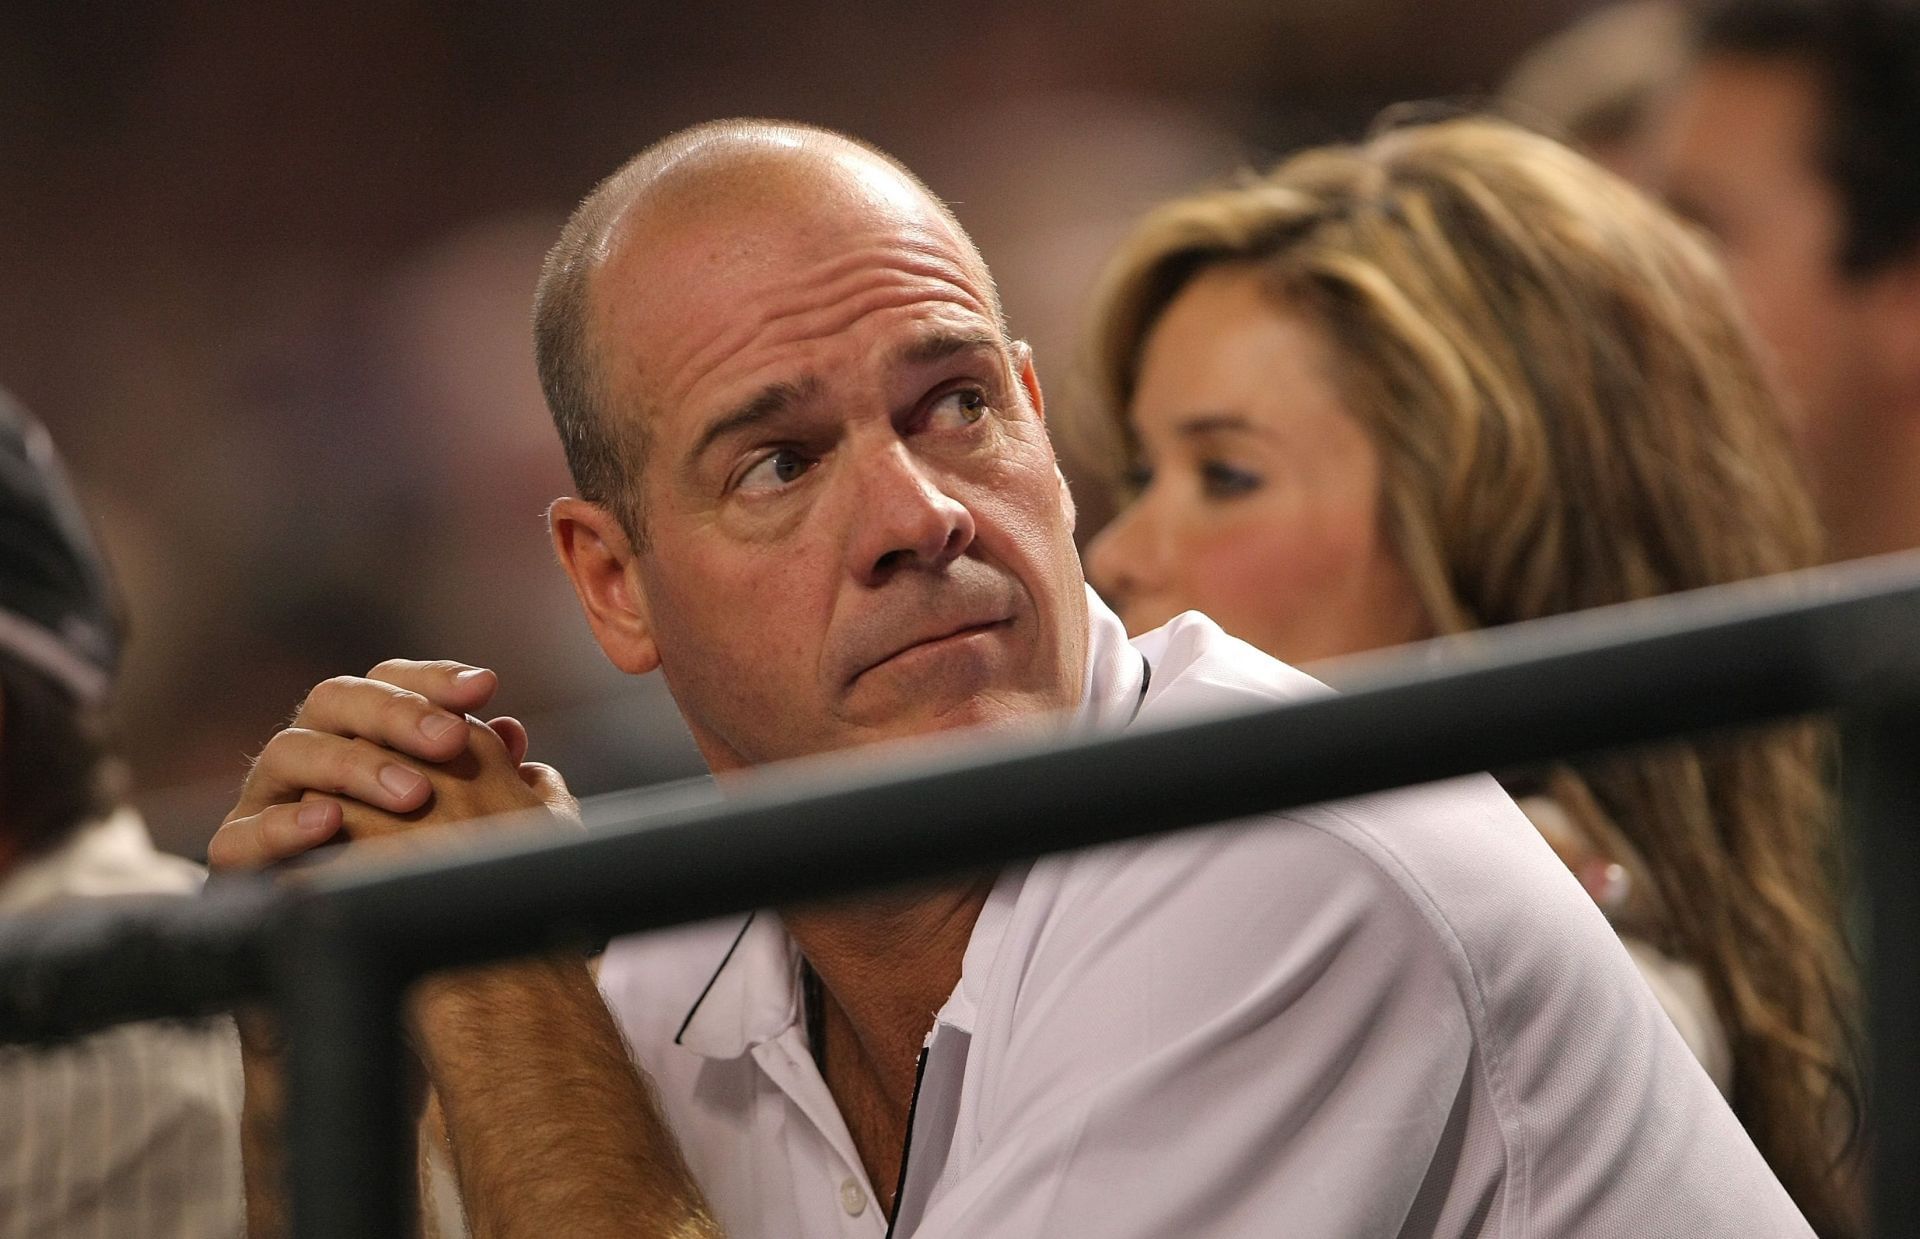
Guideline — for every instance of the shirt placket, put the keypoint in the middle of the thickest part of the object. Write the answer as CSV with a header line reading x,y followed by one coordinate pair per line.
x,y
930,1125
836,1201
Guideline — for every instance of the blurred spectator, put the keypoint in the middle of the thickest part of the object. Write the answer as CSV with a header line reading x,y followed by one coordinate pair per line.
x,y
1460,377
1595,84
133,1131
1794,137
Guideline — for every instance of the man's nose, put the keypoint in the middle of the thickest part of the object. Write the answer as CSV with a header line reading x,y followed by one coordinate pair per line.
x,y
903,519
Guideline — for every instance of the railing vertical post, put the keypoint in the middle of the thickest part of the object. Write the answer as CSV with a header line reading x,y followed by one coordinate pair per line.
x,y
1883,789
350,1167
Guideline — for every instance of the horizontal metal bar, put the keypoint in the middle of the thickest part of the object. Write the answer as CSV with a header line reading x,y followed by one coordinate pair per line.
x,y
1840,636
95,962
1556,688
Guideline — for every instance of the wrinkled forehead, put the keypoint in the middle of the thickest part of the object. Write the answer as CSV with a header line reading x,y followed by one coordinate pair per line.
x,y
752,258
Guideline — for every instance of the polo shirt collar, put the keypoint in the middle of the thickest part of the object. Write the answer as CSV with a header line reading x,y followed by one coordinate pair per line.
x,y
1117,674
962,1008
752,997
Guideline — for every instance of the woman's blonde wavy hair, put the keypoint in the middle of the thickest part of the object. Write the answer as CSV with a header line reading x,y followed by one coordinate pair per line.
x,y
1569,414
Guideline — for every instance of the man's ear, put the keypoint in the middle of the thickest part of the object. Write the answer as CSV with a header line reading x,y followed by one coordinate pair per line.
x,y
599,560
1023,373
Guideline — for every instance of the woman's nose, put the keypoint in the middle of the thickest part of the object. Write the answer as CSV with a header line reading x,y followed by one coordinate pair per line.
x,y
1120,559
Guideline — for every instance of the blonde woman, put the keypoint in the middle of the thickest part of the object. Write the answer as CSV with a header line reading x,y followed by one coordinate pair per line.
x,y
1459,377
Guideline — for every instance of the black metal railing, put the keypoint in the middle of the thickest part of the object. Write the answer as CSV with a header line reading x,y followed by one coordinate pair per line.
x,y
335,952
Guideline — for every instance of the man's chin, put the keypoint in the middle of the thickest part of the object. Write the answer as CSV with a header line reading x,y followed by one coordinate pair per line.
x,y
987,715
940,687
930,731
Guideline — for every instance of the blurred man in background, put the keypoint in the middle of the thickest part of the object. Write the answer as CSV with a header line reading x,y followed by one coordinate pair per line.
x,y
1794,137
133,1131
1595,84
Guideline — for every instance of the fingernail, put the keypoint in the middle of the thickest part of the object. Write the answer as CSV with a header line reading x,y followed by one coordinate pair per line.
x,y
401,781
437,726
469,677
313,816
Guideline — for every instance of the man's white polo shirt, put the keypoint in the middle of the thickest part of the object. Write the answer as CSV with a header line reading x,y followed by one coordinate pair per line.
x,y
1395,1015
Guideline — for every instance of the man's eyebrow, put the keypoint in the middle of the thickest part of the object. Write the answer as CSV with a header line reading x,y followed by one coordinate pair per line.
x,y
940,345
774,398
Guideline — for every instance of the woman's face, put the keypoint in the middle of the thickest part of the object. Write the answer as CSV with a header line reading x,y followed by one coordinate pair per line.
x,y
1259,500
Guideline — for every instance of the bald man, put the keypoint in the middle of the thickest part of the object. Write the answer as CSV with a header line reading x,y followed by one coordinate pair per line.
x,y
818,495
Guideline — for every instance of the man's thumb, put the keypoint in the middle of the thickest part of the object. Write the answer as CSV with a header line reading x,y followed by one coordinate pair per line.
x,y
545,780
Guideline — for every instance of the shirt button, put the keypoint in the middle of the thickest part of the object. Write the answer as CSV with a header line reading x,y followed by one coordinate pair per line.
x,y
852,1198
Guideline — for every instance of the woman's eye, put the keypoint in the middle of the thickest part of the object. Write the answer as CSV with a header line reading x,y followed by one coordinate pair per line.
x,y
1223,481
778,469
960,408
1138,477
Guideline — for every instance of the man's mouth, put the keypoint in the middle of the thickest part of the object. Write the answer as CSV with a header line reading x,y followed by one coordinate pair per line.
x,y
932,643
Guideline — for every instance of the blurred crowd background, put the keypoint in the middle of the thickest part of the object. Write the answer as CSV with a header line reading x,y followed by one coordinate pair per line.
x,y
266,270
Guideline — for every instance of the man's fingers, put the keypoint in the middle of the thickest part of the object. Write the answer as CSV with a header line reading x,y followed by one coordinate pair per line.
x,y
353,739
272,835
298,760
387,714
455,686
513,734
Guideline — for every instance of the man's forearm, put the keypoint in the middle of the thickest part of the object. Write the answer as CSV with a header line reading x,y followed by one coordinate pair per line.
x,y
262,1128
553,1130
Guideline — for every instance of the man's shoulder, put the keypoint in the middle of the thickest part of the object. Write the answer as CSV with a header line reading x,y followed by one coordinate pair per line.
x,y
1421,942
1447,876
104,858
1436,848
1410,869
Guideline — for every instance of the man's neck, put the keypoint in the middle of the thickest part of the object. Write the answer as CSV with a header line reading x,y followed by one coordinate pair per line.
x,y
887,964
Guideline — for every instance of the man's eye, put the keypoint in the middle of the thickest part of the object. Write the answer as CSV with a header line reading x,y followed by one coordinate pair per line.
x,y
777,470
959,408
1222,481
1138,477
